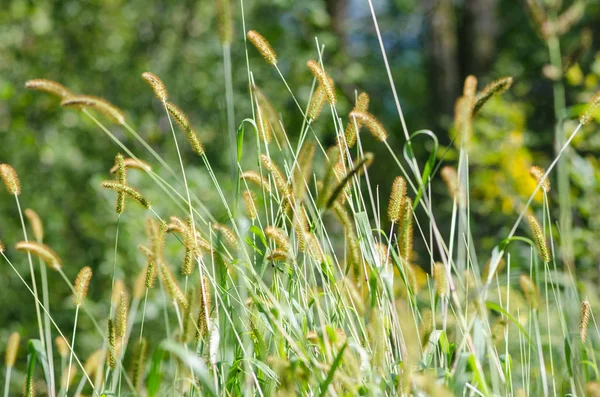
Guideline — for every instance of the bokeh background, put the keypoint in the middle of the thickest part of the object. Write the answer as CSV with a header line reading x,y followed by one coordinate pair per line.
x,y
102,47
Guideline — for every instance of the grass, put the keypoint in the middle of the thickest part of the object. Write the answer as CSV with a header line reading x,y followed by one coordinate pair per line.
x,y
304,292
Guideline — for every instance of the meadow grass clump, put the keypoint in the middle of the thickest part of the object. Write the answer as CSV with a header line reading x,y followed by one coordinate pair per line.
x,y
299,278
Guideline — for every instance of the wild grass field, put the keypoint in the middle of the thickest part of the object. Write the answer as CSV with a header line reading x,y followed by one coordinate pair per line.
x,y
299,245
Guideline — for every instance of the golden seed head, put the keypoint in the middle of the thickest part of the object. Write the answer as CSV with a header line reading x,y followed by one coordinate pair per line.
x,y
497,87
353,126
373,125
205,308
122,179
277,254
12,348
128,190
61,346
450,177
592,106
111,354
10,179
42,251
186,128
324,80
36,224
100,104
139,363
406,232
92,363
441,281
264,125
584,319
278,176
263,46
397,198
2,247
227,234
157,86
254,177
171,285
540,240
530,291
359,167
49,86
470,86
537,173
250,203
65,380
301,226
279,237
316,103
150,274
82,282
29,387
134,164
122,308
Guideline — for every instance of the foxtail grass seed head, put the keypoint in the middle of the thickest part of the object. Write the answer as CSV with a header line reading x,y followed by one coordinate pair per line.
x,y
397,198
279,237
250,203
99,104
122,308
111,353
530,291
538,237
205,308
12,348
36,224
82,282
406,232
497,87
49,86
450,178
61,346
171,284
278,176
441,281
224,21
65,380
470,86
278,254
316,103
254,177
373,125
591,108
584,319
42,251
186,128
324,80
128,190
301,226
139,363
365,161
122,179
29,387
353,127
133,164
150,274
227,234
537,173
10,179
157,86
264,125
2,247
263,46
92,364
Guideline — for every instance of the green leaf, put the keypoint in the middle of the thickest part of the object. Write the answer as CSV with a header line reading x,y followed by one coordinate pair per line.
x,y
35,346
336,363
497,308
155,374
191,360
256,230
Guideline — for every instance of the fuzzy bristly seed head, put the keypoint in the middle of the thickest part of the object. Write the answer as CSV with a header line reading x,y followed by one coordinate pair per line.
x,y
171,284
61,346
540,240
263,46
530,291
128,190
205,308
150,274
42,251
590,109
324,80
441,281
122,179
224,21
49,86
111,354
12,348
2,247
134,164
250,203
353,126
316,103
157,86
122,308
82,282
584,319
36,224
254,177
397,198
185,126
138,364
278,176
100,104
278,236
227,234
537,173
470,86
497,87
10,179
373,125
